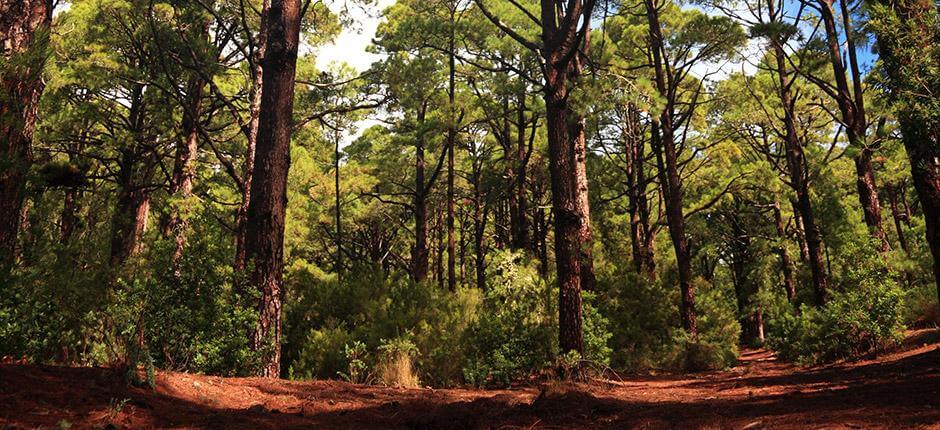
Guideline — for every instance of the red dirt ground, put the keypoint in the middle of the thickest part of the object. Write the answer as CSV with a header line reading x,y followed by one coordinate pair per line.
x,y
897,390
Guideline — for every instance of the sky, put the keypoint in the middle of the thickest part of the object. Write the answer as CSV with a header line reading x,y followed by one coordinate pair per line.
x,y
350,48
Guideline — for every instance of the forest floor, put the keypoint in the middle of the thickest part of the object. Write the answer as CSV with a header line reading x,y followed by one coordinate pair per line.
x,y
900,389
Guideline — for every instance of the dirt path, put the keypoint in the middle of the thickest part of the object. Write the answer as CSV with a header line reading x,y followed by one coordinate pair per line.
x,y
900,390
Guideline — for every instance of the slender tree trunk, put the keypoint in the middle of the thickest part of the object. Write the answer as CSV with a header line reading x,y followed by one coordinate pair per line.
x,y
641,234
181,185
419,254
664,145
264,241
68,219
521,222
799,179
451,142
479,228
853,116
24,37
439,248
254,109
786,263
898,216
338,268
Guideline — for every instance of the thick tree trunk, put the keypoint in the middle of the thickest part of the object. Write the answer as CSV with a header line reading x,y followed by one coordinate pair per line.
x,y
920,130
129,223
254,109
923,150
566,213
751,319
24,36
264,241
129,220
664,145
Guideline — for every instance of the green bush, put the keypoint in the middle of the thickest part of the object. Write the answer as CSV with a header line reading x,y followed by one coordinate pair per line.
x,y
516,333
325,314
866,317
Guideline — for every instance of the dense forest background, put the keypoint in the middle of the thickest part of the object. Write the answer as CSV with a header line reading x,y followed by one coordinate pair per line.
x,y
549,186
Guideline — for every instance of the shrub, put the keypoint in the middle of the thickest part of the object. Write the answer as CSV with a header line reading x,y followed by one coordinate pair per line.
x,y
515,333
396,363
864,318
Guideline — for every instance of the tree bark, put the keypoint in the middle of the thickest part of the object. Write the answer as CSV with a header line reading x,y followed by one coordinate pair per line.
x,y
451,142
853,117
904,63
799,177
264,241
254,109
786,263
664,145
520,222
129,220
24,37
419,253
184,170
751,319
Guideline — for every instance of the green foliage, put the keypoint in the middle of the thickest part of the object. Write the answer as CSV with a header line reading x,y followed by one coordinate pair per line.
x,y
364,309
867,315
515,332
396,361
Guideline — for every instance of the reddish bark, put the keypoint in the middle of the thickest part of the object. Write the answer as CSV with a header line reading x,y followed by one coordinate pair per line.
x,y
264,240
24,36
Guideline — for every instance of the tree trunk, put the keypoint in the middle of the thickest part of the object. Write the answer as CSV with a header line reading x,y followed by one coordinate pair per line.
x,y
129,220
903,65
664,145
338,265
68,219
853,117
254,109
520,223
451,142
181,185
479,227
419,254
786,264
799,179
898,216
24,37
264,241
752,322
129,223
